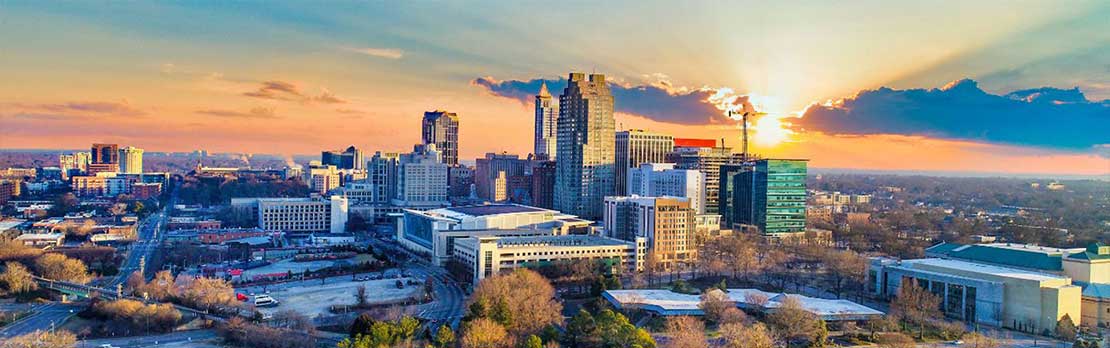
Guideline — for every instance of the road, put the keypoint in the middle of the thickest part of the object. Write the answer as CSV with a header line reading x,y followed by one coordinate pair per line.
x,y
149,239
175,339
45,317
449,297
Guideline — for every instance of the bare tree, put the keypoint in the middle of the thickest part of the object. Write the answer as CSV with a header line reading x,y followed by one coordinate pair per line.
x,y
738,335
17,279
916,305
685,332
719,308
527,298
360,296
59,267
792,321
40,338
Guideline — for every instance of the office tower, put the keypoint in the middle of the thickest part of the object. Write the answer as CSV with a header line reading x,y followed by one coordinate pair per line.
x,y
460,179
662,179
543,184
351,158
667,223
442,129
726,199
320,177
486,172
74,164
105,159
422,179
708,160
636,146
298,215
547,115
131,160
383,175
584,169
772,196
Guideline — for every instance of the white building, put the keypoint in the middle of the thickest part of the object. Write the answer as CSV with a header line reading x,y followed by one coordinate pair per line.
x,y
491,255
360,192
434,232
321,178
131,160
422,179
298,215
635,147
667,303
41,240
662,179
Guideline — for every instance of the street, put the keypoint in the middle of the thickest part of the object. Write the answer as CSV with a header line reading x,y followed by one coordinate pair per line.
x,y
44,317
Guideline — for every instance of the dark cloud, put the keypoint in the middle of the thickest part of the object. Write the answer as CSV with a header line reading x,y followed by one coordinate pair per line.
x,y
660,101
1044,117
283,90
258,112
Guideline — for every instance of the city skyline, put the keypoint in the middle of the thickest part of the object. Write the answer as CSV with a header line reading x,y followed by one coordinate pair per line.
x,y
284,79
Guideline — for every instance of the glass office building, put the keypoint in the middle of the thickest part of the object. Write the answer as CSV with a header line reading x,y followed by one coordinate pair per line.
x,y
772,196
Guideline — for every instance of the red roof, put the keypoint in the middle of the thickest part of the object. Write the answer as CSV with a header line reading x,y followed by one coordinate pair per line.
x,y
687,142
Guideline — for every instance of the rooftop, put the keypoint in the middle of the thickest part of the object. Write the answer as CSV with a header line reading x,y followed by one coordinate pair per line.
x,y
1007,254
493,209
999,271
27,236
666,302
10,224
557,241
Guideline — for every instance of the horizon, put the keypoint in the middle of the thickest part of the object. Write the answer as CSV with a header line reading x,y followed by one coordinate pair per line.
x,y
983,87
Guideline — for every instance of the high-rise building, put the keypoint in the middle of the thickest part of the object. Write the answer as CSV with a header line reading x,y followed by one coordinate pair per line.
x,y
131,160
351,158
297,215
772,196
75,163
708,160
667,223
584,171
662,179
383,175
422,179
726,200
105,159
486,172
543,184
321,178
460,179
636,146
547,116
442,129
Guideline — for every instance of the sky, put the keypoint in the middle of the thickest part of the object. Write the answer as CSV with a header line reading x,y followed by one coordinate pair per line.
x,y
955,86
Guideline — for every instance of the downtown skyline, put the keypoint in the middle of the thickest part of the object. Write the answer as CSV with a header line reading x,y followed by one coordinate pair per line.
x,y
843,89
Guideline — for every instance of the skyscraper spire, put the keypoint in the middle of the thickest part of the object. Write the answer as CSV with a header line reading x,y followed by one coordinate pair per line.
x,y
543,90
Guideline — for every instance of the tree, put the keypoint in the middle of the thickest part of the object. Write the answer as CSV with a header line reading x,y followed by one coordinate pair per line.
x,y
719,308
17,279
738,335
532,341
614,330
846,269
792,321
1065,329
896,340
360,296
59,267
685,332
161,287
821,334
976,340
206,293
581,329
361,325
528,298
916,305
444,337
42,339
16,251
484,333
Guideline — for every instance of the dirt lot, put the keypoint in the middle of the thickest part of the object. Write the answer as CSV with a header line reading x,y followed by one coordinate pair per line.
x,y
312,298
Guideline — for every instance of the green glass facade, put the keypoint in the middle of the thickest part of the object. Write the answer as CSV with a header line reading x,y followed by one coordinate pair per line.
x,y
772,196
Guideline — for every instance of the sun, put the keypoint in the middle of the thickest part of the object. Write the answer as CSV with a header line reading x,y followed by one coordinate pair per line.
x,y
770,130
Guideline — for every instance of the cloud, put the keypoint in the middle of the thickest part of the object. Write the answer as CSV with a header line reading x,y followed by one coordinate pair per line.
x,y
70,110
274,89
659,100
1043,117
289,91
388,53
256,113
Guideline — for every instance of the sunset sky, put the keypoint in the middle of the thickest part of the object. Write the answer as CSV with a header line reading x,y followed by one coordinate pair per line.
x,y
983,86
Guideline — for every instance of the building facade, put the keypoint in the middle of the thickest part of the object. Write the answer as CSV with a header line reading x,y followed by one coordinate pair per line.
x,y
543,184
667,224
442,129
351,158
708,160
488,170
547,116
662,179
635,147
297,215
483,257
422,179
131,160
383,175
586,137
772,196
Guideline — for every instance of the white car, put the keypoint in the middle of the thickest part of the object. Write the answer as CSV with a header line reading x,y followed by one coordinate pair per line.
x,y
106,346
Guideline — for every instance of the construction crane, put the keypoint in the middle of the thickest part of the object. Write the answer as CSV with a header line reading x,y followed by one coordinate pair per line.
x,y
744,133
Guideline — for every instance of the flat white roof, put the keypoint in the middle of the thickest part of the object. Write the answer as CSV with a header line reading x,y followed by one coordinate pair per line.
x,y
667,302
9,224
999,271
27,236
1028,247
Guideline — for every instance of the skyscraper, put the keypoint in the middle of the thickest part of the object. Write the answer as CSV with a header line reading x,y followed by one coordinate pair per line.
x,y
131,160
442,129
547,116
351,158
584,171
543,184
486,172
708,160
422,179
667,223
635,147
383,175
105,158
662,179
772,196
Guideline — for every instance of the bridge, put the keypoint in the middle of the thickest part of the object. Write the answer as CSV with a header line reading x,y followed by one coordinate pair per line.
x,y
88,291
